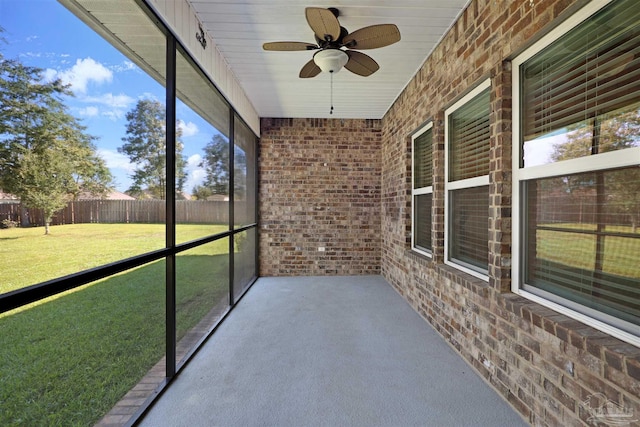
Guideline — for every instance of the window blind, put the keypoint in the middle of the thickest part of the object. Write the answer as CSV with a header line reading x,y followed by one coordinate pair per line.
x,y
469,139
594,69
422,221
422,179
468,226
423,160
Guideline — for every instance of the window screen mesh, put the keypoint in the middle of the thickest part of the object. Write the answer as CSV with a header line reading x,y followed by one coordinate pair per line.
x,y
583,239
469,139
469,232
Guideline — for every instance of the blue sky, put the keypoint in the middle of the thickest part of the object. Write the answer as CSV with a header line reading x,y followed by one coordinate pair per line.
x,y
105,83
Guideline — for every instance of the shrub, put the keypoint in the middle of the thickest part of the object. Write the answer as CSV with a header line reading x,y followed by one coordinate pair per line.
x,y
7,223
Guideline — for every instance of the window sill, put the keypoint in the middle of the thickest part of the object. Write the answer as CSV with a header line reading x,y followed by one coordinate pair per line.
x,y
616,353
419,256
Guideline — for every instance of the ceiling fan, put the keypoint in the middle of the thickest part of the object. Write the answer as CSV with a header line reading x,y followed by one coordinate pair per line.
x,y
331,38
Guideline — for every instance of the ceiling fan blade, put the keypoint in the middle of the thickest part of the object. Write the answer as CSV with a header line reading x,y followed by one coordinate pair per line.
x,y
289,46
323,22
361,64
372,37
310,69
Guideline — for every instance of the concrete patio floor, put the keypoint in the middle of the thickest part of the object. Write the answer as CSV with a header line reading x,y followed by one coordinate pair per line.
x,y
328,351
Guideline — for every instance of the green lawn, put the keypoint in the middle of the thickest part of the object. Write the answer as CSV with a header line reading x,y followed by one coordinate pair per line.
x,y
621,254
27,256
69,359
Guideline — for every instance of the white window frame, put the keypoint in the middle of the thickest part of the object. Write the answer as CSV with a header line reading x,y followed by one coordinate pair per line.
x,y
419,191
611,325
479,181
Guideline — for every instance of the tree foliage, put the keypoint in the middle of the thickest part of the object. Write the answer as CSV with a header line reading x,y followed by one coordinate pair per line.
x,y
46,157
215,162
239,174
613,133
146,145
617,131
201,192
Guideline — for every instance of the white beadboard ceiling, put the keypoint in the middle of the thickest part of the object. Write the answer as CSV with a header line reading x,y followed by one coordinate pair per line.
x,y
270,79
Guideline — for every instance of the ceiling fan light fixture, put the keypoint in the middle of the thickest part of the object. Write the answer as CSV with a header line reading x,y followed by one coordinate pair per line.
x,y
331,38
331,60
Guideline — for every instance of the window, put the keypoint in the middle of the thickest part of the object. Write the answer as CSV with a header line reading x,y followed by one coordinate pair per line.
x,y
244,206
136,281
202,149
422,190
467,182
576,168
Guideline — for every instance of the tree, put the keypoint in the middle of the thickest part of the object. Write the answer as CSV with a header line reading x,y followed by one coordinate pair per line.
x,y
216,165
146,146
601,135
200,192
46,158
239,174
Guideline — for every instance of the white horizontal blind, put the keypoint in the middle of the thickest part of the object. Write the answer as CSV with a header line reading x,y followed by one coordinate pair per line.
x,y
423,160
469,139
422,220
468,226
594,69
422,189
466,186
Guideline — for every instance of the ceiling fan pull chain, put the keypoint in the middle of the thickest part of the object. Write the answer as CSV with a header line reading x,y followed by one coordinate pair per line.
x,y
331,111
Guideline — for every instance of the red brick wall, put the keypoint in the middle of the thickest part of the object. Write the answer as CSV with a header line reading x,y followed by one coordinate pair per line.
x,y
319,188
545,364
358,207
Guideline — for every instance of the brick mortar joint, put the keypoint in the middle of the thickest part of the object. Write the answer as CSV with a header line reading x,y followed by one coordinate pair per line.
x,y
517,304
474,284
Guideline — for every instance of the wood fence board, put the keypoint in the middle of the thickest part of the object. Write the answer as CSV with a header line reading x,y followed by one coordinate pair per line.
x,y
121,211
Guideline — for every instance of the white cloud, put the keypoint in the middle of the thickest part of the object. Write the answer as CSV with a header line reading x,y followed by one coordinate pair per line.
x,y
32,54
188,129
89,111
83,72
198,175
539,151
125,66
148,95
194,178
111,100
120,167
49,74
195,174
116,104
115,160
113,115
193,161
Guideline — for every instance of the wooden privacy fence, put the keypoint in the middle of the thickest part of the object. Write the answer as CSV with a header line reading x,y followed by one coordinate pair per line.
x,y
579,209
123,211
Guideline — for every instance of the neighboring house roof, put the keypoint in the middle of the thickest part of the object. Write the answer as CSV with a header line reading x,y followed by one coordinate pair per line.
x,y
7,196
218,198
112,195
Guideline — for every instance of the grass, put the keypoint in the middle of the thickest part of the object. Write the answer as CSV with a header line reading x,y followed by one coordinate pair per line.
x,y
621,254
68,360
27,256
